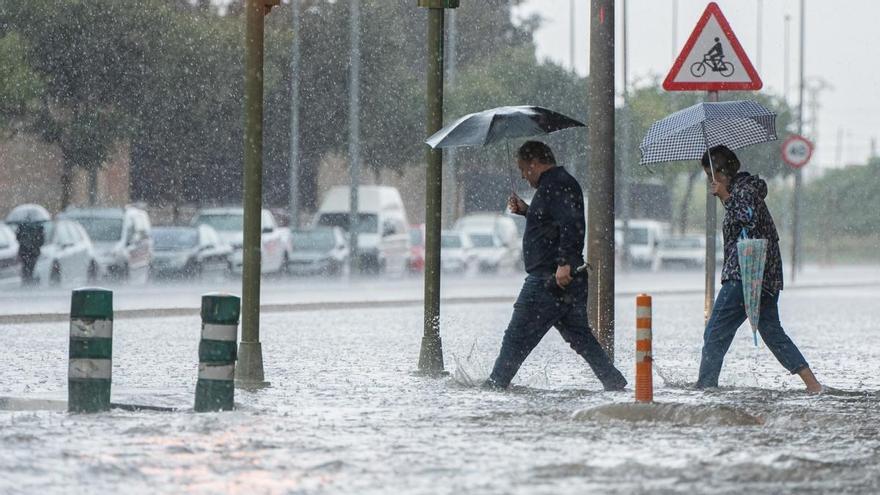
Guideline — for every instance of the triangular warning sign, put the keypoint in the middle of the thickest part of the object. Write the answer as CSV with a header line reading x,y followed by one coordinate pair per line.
x,y
712,59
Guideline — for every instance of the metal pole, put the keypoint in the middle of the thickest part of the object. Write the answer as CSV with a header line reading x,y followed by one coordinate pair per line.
x,y
625,196
431,355
354,123
571,28
294,114
249,372
711,225
674,29
785,65
601,183
451,178
798,174
759,36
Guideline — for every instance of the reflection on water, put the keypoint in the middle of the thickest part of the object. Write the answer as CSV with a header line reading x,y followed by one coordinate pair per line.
x,y
346,415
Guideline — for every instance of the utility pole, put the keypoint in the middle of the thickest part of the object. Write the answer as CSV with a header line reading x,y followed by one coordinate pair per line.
x,y
295,83
786,57
431,354
759,36
571,29
601,184
674,29
798,174
249,372
354,131
711,226
625,149
451,178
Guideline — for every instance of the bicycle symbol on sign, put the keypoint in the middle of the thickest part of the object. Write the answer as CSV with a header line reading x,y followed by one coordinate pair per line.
x,y
714,60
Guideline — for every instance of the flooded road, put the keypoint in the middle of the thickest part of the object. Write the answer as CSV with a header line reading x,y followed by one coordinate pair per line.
x,y
346,414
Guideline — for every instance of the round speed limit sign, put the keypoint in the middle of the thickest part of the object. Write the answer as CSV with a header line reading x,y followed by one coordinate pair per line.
x,y
796,151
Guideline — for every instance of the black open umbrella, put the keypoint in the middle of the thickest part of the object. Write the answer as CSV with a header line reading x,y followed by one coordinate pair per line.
x,y
490,126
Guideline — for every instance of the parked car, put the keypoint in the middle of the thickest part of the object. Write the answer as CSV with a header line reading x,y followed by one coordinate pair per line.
x,y
67,256
685,251
121,238
417,248
456,252
190,252
275,248
319,251
492,256
383,230
506,247
643,239
503,226
10,265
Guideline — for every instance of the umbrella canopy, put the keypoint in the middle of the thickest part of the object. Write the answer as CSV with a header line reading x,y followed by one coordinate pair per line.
x,y
490,126
28,213
752,254
688,133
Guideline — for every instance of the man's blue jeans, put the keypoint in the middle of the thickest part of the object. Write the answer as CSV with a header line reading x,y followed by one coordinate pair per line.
x,y
536,310
728,314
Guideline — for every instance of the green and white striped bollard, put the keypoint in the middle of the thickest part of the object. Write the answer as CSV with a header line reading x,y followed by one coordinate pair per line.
x,y
91,350
215,389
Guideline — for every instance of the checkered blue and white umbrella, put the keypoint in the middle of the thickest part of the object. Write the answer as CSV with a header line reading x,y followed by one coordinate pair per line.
x,y
688,133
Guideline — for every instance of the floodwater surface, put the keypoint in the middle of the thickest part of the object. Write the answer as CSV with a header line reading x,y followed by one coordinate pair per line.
x,y
346,414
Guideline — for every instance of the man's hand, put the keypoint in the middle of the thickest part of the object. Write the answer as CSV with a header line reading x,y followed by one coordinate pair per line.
x,y
720,190
563,276
516,205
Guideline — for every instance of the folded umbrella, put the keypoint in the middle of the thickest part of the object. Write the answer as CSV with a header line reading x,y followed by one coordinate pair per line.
x,y
752,255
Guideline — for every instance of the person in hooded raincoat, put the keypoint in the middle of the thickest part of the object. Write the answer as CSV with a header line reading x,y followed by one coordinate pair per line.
x,y
30,236
742,196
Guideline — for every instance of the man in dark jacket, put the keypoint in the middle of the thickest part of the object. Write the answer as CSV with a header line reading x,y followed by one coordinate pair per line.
x,y
554,294
745,211
30,238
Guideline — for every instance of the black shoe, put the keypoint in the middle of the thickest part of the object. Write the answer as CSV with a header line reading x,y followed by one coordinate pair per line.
x,y
491,384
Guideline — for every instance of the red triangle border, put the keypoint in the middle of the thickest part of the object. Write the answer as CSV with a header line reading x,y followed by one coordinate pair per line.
x,y
755,84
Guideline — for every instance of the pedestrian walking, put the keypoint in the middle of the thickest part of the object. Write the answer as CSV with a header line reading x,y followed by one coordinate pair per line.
x,y
30,236
742,196
554,294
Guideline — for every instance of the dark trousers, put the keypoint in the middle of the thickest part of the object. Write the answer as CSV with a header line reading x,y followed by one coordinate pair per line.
x,y
728,314
536,310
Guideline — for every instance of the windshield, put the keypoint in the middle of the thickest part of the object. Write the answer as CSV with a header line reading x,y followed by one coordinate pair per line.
x,y
167,239
314,240
228,222
101,229
482,240
367,222
450,241
683,243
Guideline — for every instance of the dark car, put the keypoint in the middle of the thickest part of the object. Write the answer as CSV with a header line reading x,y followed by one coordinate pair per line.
x,y
190,252
319,251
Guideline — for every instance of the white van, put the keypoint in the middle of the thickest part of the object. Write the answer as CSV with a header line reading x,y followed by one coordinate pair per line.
x,y
643,239
383,229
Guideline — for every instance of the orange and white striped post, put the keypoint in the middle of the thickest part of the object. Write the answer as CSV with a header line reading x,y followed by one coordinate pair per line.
x,y
644,378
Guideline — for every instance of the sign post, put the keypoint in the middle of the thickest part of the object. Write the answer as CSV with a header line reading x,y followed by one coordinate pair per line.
x,y
712,60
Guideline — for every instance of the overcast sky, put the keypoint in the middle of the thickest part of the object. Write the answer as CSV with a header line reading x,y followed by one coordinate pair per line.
x,y
842,48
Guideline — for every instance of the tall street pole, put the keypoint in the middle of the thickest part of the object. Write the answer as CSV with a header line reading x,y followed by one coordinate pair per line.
x,y
798,174
431,355
601,183
354,132
249,371
711,226
625,149
295,83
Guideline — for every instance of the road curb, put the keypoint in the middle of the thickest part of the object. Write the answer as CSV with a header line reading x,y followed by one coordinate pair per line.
x,y
27,318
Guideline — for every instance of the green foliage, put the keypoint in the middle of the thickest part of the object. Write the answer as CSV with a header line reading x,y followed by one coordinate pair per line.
x,y
20,85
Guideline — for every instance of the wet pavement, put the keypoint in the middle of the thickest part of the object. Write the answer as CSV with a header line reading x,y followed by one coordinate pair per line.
x,y
346,414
